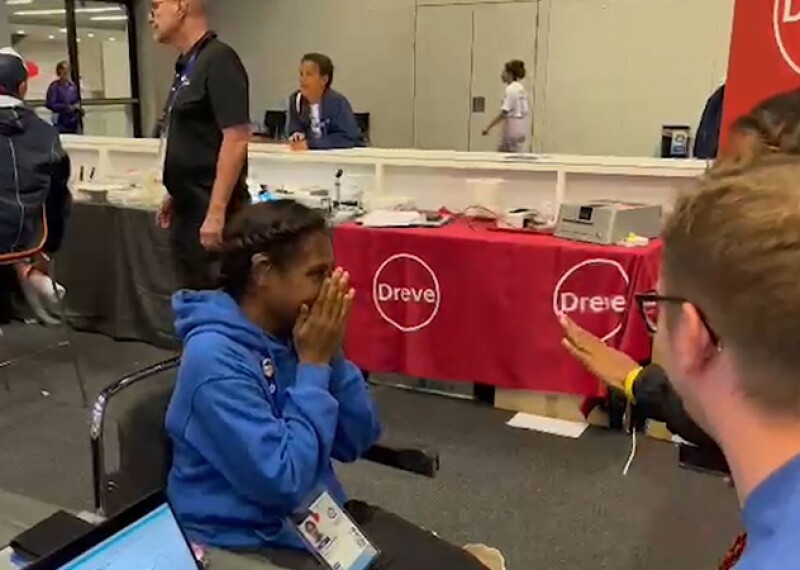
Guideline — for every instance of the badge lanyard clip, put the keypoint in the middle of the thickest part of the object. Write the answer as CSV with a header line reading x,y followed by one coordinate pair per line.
x,y
182,79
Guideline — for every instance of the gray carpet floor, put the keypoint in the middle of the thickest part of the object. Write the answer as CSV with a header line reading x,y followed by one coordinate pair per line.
x,y
546,502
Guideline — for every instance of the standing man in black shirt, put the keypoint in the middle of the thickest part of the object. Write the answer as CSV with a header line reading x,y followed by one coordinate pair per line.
x,y
204,131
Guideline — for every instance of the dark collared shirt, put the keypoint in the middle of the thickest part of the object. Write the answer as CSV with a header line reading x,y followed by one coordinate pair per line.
x,y
210,94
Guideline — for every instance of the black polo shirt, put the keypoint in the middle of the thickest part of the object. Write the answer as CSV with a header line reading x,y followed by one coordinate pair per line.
x,y
210,93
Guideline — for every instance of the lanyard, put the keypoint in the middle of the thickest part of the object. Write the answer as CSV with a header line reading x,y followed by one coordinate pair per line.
x,y
181,80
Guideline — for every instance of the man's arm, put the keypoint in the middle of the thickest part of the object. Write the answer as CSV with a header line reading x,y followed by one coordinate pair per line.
x,y
229,91
658,400
232,156
58,204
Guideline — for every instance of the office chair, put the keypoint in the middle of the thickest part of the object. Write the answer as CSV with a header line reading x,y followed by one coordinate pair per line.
x,y
144,453
363,120
275,124
8,259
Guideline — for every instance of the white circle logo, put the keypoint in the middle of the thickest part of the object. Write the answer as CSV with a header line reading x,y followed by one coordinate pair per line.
x,y
406,292
783,16
575,296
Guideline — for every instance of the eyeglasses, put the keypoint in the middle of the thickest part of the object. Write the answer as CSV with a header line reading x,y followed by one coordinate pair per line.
x,y
650,302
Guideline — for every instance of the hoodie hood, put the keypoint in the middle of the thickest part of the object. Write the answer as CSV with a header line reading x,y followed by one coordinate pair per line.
x,y
215,311
14,116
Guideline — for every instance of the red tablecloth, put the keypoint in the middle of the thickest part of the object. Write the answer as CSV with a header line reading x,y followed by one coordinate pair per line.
x,y
466,303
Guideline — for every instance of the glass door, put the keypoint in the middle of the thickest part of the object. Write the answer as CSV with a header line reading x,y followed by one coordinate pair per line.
x,y
102,32
39,33
97,39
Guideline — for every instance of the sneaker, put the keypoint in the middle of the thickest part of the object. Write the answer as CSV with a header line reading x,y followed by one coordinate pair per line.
x,y
489,557
37,307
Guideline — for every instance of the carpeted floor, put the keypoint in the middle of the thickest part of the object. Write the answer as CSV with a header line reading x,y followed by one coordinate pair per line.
x,y
546,502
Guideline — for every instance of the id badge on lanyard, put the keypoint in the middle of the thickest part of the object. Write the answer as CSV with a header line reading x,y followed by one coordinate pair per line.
x,y
332,535
181,80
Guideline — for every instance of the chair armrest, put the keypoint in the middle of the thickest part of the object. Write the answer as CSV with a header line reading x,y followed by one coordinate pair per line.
x,y
418,461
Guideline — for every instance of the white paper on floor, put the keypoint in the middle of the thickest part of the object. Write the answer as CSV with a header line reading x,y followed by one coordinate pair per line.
x,y
551,426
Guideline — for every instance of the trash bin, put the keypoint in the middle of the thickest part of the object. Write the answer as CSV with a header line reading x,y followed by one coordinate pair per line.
x,y
675,141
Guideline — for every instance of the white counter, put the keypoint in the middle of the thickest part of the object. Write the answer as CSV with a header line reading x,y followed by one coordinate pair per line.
x,y
431,178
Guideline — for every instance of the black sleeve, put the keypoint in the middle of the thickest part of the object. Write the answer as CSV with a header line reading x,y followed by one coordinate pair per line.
x,y
657,400
229,89
58,204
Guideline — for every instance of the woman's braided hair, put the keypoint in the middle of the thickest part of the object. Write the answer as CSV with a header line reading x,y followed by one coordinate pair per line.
x,y
276,229
776,122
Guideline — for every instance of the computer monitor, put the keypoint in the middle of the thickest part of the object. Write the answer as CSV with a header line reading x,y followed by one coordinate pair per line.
x,y
145,536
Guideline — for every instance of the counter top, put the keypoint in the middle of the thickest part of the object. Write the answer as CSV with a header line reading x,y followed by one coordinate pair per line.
x,y
572,164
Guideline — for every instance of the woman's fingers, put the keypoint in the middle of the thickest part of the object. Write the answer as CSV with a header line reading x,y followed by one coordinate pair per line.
x,y
332,299
347,306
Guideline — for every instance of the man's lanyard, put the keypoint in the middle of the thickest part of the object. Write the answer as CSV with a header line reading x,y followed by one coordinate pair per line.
x,y
182,79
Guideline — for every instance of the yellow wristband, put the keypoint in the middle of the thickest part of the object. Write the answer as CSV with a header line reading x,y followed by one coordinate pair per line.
x,y
630,380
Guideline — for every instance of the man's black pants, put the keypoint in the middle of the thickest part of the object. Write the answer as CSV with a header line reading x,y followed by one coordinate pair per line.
x,y
195,268
403,546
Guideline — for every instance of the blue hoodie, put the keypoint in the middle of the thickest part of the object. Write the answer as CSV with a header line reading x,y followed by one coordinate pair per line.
x,y
251,444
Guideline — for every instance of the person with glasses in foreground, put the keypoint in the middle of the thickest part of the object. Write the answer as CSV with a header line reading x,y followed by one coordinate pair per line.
x,y
728,308
771,128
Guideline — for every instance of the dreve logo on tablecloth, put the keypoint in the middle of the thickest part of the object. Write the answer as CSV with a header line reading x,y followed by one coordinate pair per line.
x,y
406,292
577,296
786,23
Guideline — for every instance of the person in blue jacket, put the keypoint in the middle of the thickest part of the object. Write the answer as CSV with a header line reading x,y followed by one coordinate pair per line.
x,y
320,118
265,400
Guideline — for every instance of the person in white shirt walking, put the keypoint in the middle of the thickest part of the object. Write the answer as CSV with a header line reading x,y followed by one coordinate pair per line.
x,y
515,111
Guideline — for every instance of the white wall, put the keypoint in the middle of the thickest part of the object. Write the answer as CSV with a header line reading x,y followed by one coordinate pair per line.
x,y
617,70
5,27
370,41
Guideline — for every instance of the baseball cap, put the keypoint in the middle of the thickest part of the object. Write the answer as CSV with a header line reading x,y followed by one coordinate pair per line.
x,y
14,70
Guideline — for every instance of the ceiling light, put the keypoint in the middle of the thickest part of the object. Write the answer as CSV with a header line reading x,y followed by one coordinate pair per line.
x,y
61,11
22,33
119,18
18,2
63,30
51,37
91,35
112,39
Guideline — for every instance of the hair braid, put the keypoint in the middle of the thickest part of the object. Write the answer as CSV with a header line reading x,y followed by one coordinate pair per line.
x,y
276,229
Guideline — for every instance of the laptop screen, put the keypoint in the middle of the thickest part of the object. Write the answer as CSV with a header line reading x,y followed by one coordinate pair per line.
x,y
154,542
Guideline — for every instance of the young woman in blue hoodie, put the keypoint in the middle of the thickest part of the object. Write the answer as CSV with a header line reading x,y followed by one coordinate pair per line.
x,y
320,118
265,400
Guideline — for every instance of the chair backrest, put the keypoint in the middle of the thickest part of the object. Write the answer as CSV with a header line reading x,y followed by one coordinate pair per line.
x,y
363,120
275,124
137,406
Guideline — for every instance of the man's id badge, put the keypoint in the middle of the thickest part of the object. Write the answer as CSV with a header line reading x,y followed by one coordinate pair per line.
x,y
333,536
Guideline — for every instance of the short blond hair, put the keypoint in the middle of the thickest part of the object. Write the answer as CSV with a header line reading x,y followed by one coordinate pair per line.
x,y
732,247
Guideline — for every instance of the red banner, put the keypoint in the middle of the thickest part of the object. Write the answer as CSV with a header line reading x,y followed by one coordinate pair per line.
x,y
764,56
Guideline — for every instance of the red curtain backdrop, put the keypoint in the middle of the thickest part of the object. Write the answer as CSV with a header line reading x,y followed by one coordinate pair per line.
x,y
764,56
